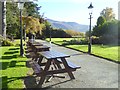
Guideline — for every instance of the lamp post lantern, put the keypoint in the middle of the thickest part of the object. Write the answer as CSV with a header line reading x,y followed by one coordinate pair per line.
x,y
90,39
20,6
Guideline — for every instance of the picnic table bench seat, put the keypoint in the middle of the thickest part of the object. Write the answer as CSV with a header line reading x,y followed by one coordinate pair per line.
x,y
70,64
36,67
28,50
41,48
31,55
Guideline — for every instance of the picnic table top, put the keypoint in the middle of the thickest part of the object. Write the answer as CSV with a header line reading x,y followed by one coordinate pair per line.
x,y
31,41
37,44
52,54
41,47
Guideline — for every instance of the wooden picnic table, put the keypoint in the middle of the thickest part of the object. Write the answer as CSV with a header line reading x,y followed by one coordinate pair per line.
x,y
41,48
37,44
52,59
35,47
31,41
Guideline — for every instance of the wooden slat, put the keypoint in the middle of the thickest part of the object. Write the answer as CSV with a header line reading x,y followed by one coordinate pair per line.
x,y
51,72
41,47
36,67
32,54
52,54
36,43
71,65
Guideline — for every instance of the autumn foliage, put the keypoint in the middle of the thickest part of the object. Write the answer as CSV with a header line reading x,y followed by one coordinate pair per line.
x,y
32,24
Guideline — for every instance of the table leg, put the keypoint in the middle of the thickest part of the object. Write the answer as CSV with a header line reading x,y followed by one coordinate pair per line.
x,y
54,64
40,59
58,64
44,72
36,58
67,68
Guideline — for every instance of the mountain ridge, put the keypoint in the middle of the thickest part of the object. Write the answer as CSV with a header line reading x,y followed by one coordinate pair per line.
x,y
68,25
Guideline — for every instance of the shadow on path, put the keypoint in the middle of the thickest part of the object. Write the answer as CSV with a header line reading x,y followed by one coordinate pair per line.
x,y
30,82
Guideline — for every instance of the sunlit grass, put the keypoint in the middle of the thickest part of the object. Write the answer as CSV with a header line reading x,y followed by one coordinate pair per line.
x,y
110,52
106,51
13,69
60,41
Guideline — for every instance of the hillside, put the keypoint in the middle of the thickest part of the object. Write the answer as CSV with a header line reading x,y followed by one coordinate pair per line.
x,y
68,25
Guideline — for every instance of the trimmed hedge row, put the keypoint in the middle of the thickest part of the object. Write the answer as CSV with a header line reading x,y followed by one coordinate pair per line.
x,y
5,42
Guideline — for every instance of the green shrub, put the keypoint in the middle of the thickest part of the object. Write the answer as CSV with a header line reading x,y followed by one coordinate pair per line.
x,y
7,43
75,42
84,42
96,40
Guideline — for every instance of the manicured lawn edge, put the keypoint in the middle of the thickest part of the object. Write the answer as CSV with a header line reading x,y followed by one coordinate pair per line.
x,y
118,62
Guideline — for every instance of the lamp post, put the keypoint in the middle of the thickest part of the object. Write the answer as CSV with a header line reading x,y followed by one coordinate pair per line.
x,y
50,34
90,39
20,6
24,32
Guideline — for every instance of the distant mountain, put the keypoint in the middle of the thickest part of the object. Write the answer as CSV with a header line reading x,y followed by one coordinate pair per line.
x,y
68,25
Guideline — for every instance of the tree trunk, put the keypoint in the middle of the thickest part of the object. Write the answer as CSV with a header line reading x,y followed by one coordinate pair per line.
x,y
0,18
4,19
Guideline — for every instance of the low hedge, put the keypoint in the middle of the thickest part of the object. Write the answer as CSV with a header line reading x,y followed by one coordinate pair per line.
x,y
7,43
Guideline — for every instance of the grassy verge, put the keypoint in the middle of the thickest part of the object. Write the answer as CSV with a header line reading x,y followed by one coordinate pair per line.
x,y
105,51
109,52
13,67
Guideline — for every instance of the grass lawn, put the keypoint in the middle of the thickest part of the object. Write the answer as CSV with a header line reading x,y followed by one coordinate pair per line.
x,y
60,41
13,67
110,52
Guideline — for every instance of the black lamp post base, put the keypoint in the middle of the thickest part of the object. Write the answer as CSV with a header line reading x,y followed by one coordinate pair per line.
x,y
22,55
89,48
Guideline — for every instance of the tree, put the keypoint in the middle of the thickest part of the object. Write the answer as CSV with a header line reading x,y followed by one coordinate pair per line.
x,y
107,27
12,20
74,33
32,9
46,29
32,24
97,28
101,20
108,14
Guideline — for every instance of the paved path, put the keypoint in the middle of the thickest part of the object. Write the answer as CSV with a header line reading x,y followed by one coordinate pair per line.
x,y
94,72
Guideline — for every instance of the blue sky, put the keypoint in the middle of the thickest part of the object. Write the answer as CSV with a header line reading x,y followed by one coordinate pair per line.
x,y
75,10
